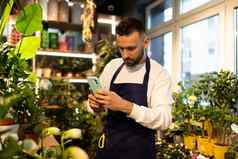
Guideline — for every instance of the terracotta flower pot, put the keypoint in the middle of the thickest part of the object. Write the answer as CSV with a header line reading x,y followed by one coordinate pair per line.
x,y
5,122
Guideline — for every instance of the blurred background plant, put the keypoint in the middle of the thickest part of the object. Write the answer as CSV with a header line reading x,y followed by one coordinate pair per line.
x,y
219,102
166,150
29,149
17,80
185,107
65,108
107,50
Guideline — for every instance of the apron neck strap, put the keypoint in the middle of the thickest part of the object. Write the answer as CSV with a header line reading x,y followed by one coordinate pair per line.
x,y
146,76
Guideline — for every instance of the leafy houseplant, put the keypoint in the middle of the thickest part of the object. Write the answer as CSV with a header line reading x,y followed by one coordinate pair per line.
x,y
184,110
17,81
71,113
27,148
107,51
185,106
219,91
165,150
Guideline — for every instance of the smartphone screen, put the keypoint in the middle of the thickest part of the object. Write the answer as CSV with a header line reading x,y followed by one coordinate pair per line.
x,y
94,83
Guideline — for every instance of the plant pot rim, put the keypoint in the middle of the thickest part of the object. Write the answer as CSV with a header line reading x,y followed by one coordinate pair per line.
x,y
6,122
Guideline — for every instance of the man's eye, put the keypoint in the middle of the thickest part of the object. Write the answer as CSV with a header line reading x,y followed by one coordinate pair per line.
x,y
127,48
131,48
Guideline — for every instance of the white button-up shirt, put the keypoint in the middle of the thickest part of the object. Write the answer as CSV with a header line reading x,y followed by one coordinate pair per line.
x,y
158,113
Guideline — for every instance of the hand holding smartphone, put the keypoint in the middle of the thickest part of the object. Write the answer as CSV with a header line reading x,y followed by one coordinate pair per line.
x,y
94,83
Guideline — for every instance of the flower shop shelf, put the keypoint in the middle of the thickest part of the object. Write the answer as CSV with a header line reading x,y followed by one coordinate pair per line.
x,y
62,25
67,54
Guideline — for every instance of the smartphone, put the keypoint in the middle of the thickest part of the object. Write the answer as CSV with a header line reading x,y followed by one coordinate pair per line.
x,y
94,83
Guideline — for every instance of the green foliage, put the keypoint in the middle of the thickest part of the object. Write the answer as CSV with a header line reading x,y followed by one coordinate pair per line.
x,y
17,80
166,150
107,51
78,117
29,20
6,5
60,93
219,89
28,51
185,107
217,101
10,149
73,65
71,113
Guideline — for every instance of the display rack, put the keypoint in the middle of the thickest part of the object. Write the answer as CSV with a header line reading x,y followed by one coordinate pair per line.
x,y
91,56
68,54
62,25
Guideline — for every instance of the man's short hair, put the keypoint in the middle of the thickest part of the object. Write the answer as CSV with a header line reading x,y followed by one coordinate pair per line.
x,y
129,25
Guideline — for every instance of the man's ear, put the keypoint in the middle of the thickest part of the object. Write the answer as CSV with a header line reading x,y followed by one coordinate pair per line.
x,y
146,42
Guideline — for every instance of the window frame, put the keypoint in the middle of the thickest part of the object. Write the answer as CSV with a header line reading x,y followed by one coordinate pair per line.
x,y
153,5
230,34
223,8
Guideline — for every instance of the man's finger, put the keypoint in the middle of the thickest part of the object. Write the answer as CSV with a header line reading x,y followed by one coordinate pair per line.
x,y
102,92
92,97
101,97
103,102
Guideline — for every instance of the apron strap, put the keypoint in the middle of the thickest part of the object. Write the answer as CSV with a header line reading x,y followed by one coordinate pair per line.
x,y
116,73
146,76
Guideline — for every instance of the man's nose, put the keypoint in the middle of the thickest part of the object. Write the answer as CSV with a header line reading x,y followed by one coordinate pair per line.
x,y
125,53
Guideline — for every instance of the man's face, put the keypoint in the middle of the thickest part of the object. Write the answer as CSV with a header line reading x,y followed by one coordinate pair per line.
x,y
132,48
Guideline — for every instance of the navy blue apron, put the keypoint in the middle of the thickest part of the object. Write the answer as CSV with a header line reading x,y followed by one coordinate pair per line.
x,y
125,138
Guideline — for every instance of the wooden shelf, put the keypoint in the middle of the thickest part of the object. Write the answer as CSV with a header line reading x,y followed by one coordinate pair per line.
x,y
67,54
62,25
52,106
70,80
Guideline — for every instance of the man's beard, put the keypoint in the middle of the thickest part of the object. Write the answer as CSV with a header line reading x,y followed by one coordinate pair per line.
x,y
131,63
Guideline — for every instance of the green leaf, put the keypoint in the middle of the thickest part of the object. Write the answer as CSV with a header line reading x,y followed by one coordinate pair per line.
x,y
32,77
28,46
11,149
6,103
5,15
30,19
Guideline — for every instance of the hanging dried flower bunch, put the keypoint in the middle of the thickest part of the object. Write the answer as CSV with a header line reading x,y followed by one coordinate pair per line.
x,y
87,19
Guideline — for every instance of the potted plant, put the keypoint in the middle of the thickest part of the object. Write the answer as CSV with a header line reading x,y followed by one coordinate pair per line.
x,y
232,152
17,80
184,108
218,91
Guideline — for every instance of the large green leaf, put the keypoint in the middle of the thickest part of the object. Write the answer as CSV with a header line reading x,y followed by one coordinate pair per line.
x,y
30,19
6,103
32,77
28,46
5,15
11,148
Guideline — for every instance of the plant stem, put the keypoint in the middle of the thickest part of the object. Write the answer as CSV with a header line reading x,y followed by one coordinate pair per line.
x,y
62,143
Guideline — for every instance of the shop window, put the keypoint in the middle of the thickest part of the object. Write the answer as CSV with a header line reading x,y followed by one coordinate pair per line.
x,y
200,54
187,5
159,13
236,37
161,50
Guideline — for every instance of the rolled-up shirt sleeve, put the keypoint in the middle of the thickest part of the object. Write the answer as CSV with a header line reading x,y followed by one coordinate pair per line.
x,y
158,113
